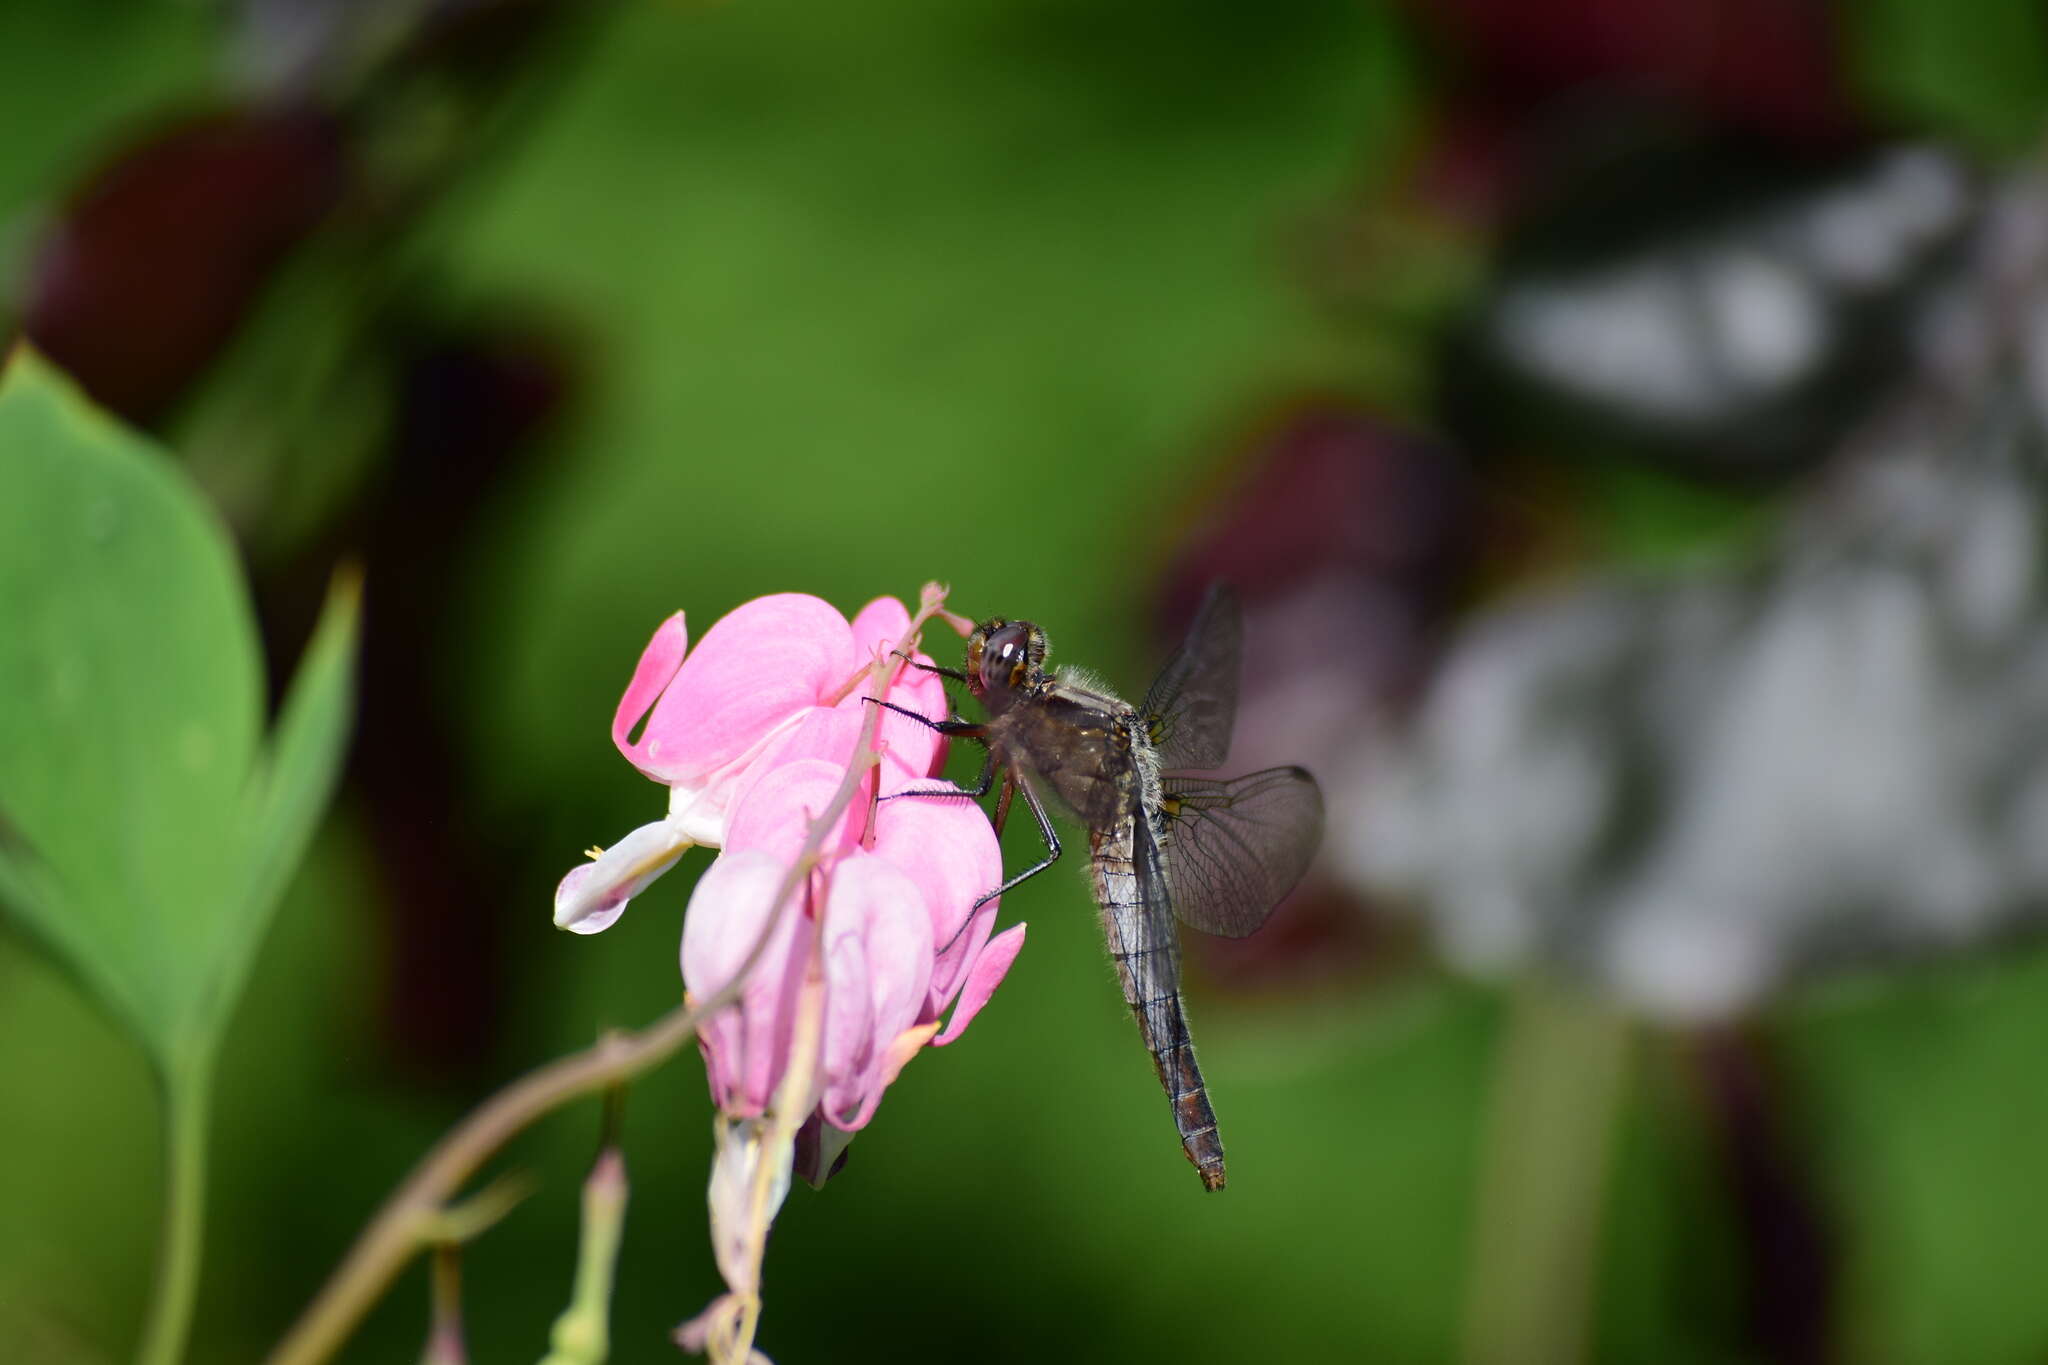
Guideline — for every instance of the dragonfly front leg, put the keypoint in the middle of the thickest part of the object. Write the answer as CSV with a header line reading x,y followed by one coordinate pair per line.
x,y
955,674
956,728
953,729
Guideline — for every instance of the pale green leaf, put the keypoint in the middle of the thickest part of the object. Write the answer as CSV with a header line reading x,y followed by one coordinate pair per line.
x,y
144,834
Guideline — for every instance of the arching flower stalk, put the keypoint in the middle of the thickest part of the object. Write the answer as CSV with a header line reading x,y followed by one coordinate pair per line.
x,y
841,920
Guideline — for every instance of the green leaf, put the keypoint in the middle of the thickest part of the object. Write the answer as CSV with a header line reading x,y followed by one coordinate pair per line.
x,y
289,792
146,829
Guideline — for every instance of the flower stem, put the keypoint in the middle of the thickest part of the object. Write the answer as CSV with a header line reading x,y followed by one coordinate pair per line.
x,y
399,1228
1542,1193
444,1295
582,1334
187,1087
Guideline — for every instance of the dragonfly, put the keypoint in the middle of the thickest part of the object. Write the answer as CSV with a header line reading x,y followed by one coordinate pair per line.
x,y
1164,843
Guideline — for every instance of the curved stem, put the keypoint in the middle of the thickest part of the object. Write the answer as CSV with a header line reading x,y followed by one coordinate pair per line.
x,y
392,1237
186,1092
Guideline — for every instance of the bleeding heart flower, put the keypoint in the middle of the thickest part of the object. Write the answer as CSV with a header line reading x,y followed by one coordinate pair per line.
x,y
887,909
772,680
836,929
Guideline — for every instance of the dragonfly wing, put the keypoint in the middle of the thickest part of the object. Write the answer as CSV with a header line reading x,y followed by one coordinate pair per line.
x,y
1234,848
1192,706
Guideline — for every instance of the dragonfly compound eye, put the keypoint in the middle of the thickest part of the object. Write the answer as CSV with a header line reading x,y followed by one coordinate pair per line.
x,y
1005,656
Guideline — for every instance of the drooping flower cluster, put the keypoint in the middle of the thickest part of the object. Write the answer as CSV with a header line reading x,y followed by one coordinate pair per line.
x,y
753,732
829,939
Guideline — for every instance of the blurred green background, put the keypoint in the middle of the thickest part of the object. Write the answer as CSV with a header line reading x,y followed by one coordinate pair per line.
x,y
850,298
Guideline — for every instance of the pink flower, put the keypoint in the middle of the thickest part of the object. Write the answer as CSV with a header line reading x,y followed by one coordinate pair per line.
x,y
775,679
887,909
836,932
752,733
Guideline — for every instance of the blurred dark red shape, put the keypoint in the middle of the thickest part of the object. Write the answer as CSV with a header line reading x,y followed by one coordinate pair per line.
x,y
1770,67
1329,488
157,257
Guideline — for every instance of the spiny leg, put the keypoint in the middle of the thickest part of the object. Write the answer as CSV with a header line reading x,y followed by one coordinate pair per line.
x,y
955,674
959,729
954,729
975,793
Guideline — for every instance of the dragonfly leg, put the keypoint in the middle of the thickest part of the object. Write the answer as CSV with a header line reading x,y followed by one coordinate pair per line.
x,y
1003,804
1011,783
1052,847
979,790
955,674
958,729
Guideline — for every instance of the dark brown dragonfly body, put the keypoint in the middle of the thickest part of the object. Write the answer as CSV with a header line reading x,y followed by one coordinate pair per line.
x,y
1216,854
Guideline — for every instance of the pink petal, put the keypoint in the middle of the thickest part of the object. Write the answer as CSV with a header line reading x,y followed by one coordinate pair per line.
x,y
833,734
878,954
657,668
775,814
945,846
848,1046
746,1047
911,748
879,626
991,965
828,733
595,894
755,670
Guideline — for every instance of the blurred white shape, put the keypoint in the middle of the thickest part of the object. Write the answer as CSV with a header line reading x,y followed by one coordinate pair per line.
x,y
1690,963
1766,319
1625,339
1697,788
1864,235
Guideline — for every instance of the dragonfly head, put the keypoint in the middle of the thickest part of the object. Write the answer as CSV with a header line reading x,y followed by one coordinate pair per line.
x,y
1004,659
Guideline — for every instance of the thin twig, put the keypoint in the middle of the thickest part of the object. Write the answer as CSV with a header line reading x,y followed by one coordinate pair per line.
x,y
444,1338
394,1235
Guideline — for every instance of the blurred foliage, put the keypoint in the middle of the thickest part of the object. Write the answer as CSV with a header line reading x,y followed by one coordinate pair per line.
x,y
863,296
1978,72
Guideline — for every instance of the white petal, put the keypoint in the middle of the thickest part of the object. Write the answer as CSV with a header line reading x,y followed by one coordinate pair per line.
x,y
595,894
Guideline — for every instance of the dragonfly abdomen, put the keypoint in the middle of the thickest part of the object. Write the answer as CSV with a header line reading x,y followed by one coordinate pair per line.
x,y
1192,1115
1147,958
1164,1023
